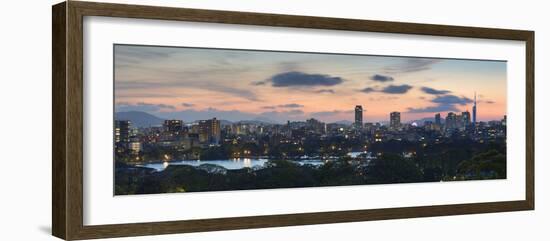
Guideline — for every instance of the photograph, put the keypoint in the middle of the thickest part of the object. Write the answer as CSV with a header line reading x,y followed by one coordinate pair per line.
x,y
190,119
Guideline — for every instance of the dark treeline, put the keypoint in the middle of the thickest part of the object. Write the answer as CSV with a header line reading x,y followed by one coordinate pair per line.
x,y
453,161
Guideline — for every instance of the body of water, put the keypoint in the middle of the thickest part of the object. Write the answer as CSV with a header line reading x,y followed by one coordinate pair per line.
x,y
231,164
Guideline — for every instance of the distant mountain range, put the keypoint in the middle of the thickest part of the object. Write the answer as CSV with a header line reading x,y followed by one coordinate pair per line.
x,y
143,119
139,118
253,122
343,122
264,120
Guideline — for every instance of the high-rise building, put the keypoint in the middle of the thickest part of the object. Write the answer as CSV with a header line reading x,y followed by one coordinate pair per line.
x,y
429,125
210,131
395,120
173,126
451,121
474,110
358,116
122,131
466,121
134,146
369,126
438,119
315,125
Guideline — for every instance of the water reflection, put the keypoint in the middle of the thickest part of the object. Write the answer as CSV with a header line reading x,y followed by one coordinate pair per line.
x,y
232,164
247,162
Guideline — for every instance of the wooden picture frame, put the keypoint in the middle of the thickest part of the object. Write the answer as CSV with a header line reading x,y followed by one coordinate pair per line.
x,y
67,76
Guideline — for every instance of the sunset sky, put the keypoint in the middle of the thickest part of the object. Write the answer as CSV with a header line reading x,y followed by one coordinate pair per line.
x,y
195,83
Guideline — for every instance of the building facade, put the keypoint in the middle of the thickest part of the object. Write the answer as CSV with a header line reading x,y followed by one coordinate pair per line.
x,y
395,120
122,131
173,126
210,131
474,110
358,116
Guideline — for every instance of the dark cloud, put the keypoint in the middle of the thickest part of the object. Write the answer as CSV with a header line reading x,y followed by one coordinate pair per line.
x,y
329,91
411,65
390,89
451,100
442,103
433,91
381,78
258,83
368,90
300,79
436,108
292,105
187,104
488,102
142,106
162,106
396,89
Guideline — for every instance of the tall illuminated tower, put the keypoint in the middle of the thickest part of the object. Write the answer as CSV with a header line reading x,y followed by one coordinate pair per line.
x,y
358,116
474,110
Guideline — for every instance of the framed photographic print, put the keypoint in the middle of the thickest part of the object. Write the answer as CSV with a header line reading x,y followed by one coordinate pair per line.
x,y
171,120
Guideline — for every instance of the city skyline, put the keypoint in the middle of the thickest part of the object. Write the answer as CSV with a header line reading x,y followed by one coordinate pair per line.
x,y
173,83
